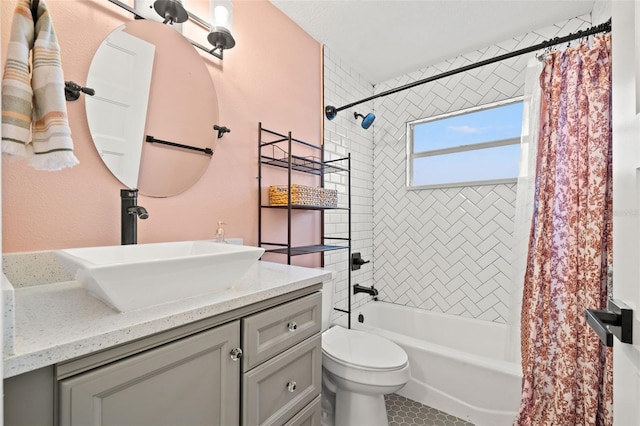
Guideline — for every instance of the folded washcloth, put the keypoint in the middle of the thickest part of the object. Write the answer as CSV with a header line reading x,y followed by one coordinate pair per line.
x,y
34,112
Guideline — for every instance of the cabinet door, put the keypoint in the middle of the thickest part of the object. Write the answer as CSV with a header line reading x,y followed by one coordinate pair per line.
x,y
193,381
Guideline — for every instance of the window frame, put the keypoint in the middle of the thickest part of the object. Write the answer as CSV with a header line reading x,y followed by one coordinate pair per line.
x,y
411,156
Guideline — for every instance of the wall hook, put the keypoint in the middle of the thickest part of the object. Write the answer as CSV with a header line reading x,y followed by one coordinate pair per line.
x,y
221,130
72,91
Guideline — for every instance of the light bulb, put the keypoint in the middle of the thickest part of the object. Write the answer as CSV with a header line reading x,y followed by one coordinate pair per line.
x,y
221,15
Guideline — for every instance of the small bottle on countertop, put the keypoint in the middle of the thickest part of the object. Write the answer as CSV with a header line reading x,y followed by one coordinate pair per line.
x,y
220,232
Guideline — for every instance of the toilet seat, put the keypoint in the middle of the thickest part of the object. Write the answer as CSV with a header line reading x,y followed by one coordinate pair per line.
x,y
364,358
363,351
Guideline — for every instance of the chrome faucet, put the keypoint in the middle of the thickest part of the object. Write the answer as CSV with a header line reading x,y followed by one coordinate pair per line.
x,y
357,288
129,214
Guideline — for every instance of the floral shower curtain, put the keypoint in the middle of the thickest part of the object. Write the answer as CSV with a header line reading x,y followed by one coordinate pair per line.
x,y
567,376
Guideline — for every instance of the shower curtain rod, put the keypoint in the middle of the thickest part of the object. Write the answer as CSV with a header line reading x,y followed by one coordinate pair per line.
x,y
331,111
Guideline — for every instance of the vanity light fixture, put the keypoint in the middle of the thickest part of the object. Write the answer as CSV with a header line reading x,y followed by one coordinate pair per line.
x,y
220,34
173,12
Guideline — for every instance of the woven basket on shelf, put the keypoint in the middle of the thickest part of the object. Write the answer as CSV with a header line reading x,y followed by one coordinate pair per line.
x,y
303,196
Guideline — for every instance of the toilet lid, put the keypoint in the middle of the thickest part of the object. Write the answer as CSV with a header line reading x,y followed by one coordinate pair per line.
x,y
362,350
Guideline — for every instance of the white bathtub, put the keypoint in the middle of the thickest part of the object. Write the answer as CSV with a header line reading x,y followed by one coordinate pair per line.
x,y
457,364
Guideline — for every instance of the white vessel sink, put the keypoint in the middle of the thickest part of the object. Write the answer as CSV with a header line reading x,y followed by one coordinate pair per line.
x,y
137,276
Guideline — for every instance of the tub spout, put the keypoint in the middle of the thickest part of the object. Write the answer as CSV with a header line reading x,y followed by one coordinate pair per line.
x,y
357,288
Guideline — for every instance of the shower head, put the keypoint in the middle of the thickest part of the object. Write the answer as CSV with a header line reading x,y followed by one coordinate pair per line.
x,y
367,120
172,11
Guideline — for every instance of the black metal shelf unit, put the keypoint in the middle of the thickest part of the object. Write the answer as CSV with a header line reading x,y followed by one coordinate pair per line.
x,y
276,150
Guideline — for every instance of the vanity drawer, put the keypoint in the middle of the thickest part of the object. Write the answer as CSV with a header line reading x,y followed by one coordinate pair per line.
x,y
278,389
268,333
310,415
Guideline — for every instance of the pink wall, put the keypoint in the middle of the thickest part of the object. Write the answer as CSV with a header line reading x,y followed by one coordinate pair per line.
x,y
273,75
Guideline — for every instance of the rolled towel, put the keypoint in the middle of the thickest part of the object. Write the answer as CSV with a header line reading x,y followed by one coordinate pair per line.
x,y
34,111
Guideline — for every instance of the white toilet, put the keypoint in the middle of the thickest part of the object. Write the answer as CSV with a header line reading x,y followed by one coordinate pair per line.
x,y
358,369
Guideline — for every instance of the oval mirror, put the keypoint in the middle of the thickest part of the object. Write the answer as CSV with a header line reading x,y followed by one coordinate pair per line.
x,y
153,112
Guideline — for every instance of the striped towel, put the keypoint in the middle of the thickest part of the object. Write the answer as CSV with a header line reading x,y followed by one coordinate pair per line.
x,y
34,112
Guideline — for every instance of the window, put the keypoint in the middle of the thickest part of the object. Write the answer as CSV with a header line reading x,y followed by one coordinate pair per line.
x,y
472,147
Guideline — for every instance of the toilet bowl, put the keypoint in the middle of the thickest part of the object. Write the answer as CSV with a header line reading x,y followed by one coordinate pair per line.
x,y
358,369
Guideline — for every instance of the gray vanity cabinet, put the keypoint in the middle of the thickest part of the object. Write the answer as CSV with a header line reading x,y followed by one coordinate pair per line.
x,y
189,375
192,381
282,365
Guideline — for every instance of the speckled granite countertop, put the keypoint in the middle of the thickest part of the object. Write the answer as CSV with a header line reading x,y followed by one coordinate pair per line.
x,y
59,321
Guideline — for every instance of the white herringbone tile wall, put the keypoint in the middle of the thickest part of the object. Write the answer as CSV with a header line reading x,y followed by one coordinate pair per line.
x,y
343,135
447,250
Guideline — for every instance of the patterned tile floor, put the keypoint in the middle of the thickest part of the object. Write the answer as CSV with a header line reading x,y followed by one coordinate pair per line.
x,y
405,412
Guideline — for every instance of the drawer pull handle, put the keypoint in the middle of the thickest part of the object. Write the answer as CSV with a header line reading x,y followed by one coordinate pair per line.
x,y
292,326
291,386
236,354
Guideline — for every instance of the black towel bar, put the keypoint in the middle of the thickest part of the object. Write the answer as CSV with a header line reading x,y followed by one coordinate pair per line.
x,y
207,151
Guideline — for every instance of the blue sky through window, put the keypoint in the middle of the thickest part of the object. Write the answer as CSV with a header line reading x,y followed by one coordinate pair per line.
x,y
492,124
502,122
